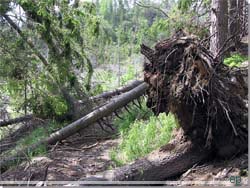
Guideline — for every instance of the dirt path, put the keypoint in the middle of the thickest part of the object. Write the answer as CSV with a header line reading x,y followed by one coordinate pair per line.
x,y
236,169
75,158
84,155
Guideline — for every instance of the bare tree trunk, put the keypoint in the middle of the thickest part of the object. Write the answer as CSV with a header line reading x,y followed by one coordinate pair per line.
x,y
219,25
109,94
233,20
163,165
81,123
242,15
16,120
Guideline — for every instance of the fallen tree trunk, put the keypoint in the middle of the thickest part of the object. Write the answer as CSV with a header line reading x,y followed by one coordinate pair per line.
x,y
208,100
169,161
16,120
81,123
109,94
8,142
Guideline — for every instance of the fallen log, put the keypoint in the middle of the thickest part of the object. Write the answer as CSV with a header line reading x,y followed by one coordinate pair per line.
x,y
9,141
208,100
81,123
169,161
16,120
109,94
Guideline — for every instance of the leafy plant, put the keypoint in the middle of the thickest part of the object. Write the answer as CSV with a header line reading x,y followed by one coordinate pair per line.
x,y
35,136
141,133
235,60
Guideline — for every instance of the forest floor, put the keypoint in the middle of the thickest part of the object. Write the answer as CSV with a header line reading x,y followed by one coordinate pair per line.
x,y
85,154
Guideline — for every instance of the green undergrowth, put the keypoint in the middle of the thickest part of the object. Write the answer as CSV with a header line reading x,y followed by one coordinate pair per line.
x,y
141,132
35,136
235,60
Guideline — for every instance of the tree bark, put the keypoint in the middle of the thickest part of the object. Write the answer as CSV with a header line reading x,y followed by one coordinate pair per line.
x,y
109,94
81,123
234,23
30,43
169,161
219,25
233,20
16,120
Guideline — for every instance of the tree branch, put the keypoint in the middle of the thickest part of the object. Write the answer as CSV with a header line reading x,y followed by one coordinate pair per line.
x,y
31,45
151,6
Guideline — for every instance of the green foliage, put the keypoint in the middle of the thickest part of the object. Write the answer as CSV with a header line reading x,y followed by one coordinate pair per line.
x,y
184,5
74,36
141,132
235,60
135,114
50,106
62,33
4,6
129,75
35,136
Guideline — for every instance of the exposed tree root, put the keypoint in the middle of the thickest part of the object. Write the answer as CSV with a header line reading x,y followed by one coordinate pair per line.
x,y
208,100
207,97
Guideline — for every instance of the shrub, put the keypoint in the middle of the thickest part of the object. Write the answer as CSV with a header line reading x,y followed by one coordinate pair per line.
x,y
235,60
141,133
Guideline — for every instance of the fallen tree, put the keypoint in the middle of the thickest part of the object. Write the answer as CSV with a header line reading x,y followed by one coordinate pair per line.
x,y
16,120
106,110
109,94
168,161
208,99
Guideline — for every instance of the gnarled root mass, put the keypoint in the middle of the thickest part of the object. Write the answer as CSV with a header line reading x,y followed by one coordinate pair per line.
x,y
207,97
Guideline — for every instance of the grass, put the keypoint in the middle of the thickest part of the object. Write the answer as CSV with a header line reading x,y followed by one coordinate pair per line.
x,y
141,133
35,136
235,60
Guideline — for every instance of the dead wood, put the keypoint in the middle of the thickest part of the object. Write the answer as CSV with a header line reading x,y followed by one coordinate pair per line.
x,y
169,161
208,100
207,97
161,165
81,123
9,141
16,120
118,91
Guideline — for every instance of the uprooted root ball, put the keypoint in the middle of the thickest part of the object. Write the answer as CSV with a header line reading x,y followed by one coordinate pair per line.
x,y
207,97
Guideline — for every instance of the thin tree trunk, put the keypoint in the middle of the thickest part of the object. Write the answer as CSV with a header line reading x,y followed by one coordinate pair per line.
x,y
30,43
81,123
109,94
16,120
233,19
219,25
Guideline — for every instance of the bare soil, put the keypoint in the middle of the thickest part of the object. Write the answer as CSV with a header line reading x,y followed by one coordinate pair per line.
x,y
87,153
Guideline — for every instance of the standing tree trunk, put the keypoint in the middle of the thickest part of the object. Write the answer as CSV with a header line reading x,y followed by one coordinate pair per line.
x,y
219,25
233,20
243,15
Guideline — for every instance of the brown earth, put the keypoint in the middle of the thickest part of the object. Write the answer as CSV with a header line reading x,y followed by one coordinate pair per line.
x,y
78,156
85,154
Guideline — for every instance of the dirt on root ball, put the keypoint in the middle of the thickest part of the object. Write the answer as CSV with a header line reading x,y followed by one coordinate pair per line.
x,y
207,97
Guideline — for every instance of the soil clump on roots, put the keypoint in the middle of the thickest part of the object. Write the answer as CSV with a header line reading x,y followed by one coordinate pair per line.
x,y
208,98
